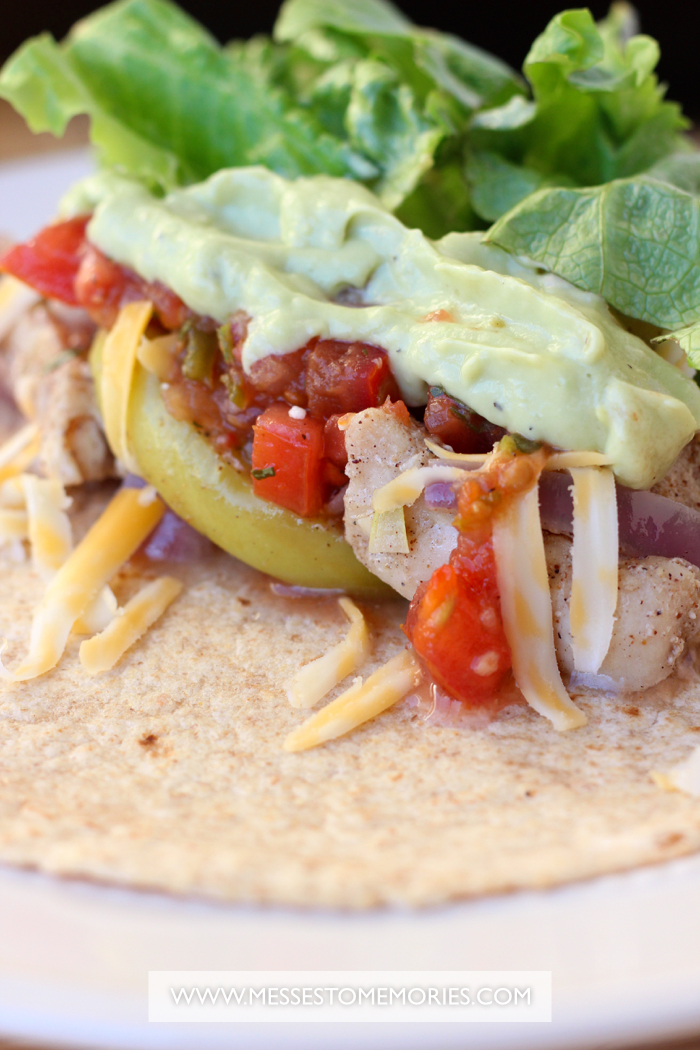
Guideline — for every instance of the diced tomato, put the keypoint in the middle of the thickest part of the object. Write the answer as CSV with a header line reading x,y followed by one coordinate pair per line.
x,y
281,375
454,624
99,287
457,425
169,308
333,476
399,411
347,377
102,287
334,443
49,262
291,450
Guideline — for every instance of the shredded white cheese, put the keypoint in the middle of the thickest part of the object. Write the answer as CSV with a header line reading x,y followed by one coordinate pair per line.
x,y
474,458
50,533
102,652
12,493
99,613
113,538
359,703
557,461
17,453
51,539
157,355
118,362
567,460
683,777
405,489
317,678
526,607
15,298
388,532
147,495
13,525
594,559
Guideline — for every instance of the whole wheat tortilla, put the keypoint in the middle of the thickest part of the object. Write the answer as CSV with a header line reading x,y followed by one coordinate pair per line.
x,y
168,772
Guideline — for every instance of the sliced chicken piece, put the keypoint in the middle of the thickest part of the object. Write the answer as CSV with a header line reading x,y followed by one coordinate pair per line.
x,y
656,617
659,598
380,446
57,390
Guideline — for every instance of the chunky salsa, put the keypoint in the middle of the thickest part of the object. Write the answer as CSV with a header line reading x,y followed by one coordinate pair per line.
x,y
280,420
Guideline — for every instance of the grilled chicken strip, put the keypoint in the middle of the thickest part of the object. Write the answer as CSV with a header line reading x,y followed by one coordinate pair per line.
x,y
56,389
656,617
659,598
380,446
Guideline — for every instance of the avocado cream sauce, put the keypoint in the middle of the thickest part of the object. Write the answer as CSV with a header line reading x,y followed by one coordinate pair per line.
x,y
526,350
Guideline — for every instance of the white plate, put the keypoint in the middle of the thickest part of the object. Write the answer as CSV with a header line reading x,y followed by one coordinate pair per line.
x,y
624,950
30,189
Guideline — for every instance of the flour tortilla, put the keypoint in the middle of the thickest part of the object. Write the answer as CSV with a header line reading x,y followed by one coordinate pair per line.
x,y
168,772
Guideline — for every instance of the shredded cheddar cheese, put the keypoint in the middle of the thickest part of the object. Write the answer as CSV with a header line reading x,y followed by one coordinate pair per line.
x,y
118,362
113,538
526,608
317,678
102,652
594,557
359,703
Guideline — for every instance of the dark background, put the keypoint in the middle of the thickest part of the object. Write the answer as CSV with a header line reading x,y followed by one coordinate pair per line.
x,y
505,27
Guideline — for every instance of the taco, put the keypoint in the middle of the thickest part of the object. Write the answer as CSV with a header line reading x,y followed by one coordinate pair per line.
x,y
362,375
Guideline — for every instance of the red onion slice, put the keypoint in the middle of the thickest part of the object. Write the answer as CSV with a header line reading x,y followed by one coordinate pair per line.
x,y
649,523
441,495
172,539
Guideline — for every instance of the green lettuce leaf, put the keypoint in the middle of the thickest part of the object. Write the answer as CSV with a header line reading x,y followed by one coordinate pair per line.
x,y
444,133
598,113
398,94
473,77
600,110
350,16
497,185
43,86
384,122
149,76
440,202
634,241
